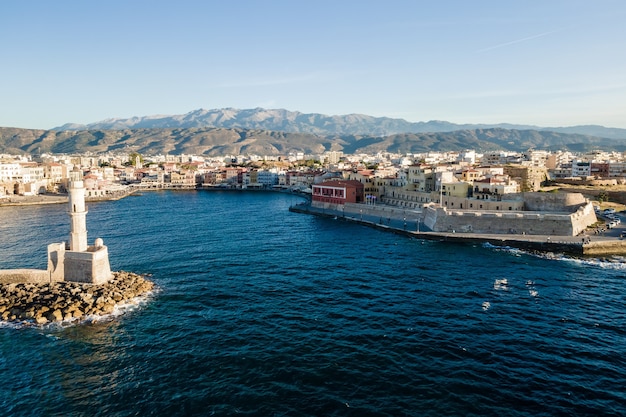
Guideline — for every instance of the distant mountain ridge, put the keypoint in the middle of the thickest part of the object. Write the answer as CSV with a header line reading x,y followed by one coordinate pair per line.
x,y
278,132
281,120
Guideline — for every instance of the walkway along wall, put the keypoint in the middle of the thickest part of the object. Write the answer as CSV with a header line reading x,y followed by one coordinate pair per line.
x,y
381,210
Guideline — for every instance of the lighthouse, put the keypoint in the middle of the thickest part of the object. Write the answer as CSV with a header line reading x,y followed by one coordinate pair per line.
x,y
78,212
79,262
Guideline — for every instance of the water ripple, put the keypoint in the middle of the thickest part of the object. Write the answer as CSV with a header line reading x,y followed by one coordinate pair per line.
x,y
266,312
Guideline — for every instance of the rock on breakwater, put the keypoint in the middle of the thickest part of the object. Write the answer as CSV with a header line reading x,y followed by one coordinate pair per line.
x,y
59,301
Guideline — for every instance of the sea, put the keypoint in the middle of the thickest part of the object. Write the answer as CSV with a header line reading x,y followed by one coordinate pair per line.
x,y
260,311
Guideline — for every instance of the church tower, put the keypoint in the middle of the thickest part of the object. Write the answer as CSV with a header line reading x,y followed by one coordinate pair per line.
x,y
78,212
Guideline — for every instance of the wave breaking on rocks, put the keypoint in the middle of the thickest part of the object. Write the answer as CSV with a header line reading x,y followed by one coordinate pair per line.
x,y
69,301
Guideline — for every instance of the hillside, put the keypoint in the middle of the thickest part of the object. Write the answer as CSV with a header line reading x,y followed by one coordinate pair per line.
x,y
223,141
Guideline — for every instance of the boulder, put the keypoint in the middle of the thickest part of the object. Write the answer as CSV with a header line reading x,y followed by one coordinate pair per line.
x,y
55,315
53,302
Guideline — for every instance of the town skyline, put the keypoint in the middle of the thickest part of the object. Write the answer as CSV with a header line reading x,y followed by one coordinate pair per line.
x,y
511,187
109,174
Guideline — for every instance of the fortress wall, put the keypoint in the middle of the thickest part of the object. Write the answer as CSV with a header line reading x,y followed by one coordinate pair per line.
x,y
568,214
32,276
90,267
583,217
101,269
384,211
431,213
555,202
78,266
489,224
440,220
56,261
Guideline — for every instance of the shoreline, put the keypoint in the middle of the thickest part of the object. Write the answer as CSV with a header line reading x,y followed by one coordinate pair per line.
x,y
580,246
44,199
595,246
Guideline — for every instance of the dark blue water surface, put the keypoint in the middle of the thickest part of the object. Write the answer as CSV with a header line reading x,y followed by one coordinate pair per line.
x,y
264,312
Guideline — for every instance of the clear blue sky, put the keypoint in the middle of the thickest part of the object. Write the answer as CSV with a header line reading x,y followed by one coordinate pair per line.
x,y
546,63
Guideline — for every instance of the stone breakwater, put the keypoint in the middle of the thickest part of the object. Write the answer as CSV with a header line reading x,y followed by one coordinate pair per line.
x,y
64,301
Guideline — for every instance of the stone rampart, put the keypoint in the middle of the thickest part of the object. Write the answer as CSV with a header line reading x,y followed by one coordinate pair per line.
x,y
382,210
56,261
532,223
89,267
555,202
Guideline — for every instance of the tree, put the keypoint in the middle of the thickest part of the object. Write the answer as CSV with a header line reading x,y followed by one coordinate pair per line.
x,y
132,159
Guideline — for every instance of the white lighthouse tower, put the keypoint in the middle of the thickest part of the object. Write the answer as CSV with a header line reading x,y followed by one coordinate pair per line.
x,y
79,262
78,212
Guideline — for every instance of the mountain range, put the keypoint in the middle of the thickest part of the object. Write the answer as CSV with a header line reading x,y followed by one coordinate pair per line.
x,y
282,120
278,132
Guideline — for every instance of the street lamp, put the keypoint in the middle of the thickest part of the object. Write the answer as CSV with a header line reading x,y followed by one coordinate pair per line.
x,y
361,210
404,223
418,225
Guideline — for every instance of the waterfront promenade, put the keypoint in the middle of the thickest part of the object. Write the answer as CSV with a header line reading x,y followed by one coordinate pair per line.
x,y
409,223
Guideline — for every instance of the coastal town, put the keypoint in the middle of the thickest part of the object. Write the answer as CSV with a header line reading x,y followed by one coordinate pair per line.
x,y
460,179
445,192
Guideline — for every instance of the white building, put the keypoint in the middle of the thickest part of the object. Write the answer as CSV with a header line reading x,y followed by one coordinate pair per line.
x,y
10,171
581,168
268,178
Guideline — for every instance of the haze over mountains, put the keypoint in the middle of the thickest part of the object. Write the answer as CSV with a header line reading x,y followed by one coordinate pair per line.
x,y
277,132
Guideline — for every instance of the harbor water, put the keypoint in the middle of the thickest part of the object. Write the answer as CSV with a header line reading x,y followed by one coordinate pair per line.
x,y
264,312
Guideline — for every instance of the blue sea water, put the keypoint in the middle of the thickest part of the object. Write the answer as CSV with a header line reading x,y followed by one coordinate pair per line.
x,y
264,312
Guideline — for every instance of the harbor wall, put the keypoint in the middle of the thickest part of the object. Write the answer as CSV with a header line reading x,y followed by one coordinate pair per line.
x,y
356,209
573,245
32,276
605,248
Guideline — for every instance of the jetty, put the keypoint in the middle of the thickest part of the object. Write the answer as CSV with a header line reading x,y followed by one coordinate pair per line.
x,y
78,282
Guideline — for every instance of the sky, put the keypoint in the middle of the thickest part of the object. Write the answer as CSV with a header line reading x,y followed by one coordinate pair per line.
x,y
546,63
